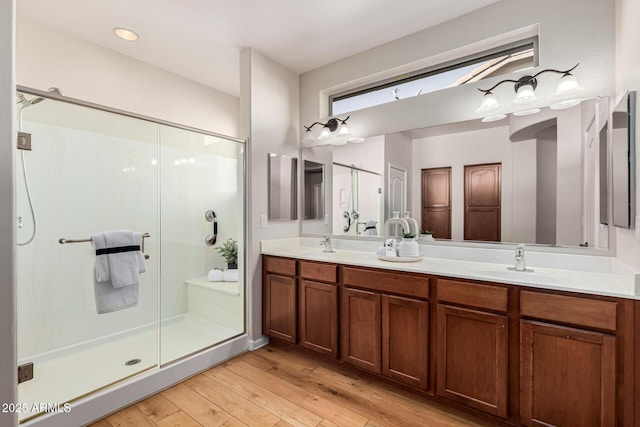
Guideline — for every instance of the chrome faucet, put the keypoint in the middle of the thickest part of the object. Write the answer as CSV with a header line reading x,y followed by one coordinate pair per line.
x,y
521,265
326,242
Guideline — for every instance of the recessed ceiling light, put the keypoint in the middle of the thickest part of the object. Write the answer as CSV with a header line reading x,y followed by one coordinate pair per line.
x,y
126,34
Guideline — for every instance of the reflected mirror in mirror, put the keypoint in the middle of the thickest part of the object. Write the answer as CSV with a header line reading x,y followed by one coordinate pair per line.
x,y
623,160
283,187
313,180
529,179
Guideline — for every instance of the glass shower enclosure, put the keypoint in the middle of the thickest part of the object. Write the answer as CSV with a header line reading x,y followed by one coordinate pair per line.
x,y
357,195
85,171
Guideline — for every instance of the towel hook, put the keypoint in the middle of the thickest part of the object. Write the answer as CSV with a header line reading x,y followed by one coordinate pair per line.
x,y
210,216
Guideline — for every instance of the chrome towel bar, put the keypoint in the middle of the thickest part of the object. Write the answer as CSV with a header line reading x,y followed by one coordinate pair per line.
x,y
63,241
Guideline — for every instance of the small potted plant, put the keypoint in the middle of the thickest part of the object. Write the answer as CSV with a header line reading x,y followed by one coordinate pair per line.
x,y
426,234
408,247
229,251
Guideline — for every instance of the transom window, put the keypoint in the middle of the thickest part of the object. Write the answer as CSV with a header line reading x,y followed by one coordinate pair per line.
x,y
503,60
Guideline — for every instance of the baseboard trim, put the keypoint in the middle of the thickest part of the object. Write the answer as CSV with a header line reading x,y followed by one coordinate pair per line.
x,y
259,343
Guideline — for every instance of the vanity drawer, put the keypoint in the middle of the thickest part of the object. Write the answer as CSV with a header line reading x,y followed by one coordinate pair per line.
x,y
472,294
383,281
566,309
285,266
319,271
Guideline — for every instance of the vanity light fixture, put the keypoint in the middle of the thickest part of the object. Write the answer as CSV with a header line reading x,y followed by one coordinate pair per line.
x,y
565,95
335,132
126,34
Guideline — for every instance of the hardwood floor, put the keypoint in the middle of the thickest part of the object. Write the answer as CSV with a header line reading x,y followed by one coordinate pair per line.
x,y
278,386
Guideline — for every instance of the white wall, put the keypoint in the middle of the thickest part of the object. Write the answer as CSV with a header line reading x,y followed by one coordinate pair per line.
x,y
569,178
567,36
628,78
524,198
269,102
49,58
8,362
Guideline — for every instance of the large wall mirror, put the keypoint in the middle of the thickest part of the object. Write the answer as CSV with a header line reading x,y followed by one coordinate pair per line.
x,y
283,187
530,179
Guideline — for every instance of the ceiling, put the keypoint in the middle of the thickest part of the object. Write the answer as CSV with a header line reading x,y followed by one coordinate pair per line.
x,y
201,39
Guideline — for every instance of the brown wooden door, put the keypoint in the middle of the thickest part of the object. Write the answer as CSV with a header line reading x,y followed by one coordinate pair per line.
x,y
280,305
482,202
319,317
567,376
472,358
405,325
360,329
436,202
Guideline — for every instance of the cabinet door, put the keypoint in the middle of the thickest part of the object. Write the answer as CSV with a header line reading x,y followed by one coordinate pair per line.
x,y
280,307
405,326
567,376
319,317
472,358
360,329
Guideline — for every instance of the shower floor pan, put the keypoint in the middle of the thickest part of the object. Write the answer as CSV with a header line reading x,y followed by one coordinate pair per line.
x,y
71,373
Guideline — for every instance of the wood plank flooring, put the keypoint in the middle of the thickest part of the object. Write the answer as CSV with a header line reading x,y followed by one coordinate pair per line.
x,y
278,386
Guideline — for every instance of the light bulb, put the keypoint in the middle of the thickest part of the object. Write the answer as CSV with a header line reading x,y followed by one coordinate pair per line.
x,y
525,95
488,104
343,130
324,133
568,86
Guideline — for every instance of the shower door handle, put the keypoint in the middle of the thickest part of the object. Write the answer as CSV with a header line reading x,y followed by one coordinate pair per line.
x,y
210,216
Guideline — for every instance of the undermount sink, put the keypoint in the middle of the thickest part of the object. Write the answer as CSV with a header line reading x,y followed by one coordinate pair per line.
x,y
522,276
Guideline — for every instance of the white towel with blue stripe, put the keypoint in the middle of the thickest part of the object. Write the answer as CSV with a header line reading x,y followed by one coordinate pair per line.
x,y
119,263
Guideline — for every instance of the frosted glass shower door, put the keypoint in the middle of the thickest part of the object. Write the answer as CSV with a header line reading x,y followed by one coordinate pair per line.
x,y
89,171
199,173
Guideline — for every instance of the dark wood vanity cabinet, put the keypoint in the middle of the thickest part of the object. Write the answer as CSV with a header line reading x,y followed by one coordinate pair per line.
x,y
472,345
405,325
360,327
568,374
280,297
318,309
511,354
385,324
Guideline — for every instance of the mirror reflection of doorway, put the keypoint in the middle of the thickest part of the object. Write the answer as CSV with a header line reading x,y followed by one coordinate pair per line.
x,y
397,197
482,202
436,202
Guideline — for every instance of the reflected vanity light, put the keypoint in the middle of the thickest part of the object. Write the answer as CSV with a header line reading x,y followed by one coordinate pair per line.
x,y
495,118
334,132
565,96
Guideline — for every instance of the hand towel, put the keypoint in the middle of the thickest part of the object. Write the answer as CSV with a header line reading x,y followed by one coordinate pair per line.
x,y
110,296
215,275
230,275
124,267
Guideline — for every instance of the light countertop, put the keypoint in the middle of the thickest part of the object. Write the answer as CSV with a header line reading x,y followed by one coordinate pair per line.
x,y
607,279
